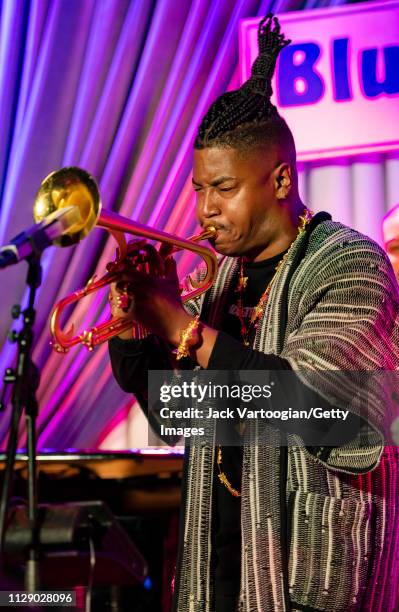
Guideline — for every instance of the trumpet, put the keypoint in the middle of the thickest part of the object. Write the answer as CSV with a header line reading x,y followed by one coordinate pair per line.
x,y
74,187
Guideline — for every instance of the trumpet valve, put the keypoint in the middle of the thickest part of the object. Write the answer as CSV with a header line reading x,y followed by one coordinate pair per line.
x,y
87,339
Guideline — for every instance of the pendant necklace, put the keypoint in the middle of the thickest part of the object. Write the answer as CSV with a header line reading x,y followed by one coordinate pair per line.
x,y
247,327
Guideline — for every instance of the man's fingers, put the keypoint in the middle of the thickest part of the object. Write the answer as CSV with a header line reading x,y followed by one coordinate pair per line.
x,y
171,272
131,279
144,258
136,244
123,286
165,250
170,268
120,304
155,262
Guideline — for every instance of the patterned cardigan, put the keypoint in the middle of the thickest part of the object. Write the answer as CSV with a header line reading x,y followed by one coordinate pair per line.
x,y
333,306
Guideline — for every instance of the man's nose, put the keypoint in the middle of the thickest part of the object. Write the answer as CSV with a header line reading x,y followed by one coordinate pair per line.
x,y
207,205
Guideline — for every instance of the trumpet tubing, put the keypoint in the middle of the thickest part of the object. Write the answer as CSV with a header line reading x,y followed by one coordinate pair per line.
x,y
74,186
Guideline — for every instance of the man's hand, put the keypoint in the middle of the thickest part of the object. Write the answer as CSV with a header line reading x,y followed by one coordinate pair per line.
x,y
155,300
148,292
120,295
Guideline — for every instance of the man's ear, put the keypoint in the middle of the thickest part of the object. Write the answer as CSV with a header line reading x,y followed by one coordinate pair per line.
x,y
283,181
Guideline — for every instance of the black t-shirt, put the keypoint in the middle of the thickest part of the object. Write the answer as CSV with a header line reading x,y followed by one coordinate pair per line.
x,y
259,275
227,509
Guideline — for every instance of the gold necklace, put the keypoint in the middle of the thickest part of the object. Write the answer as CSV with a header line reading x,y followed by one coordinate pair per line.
x,y
243,281
304,219
222,476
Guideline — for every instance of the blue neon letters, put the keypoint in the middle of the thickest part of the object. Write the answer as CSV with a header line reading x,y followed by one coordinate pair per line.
x,y
298,65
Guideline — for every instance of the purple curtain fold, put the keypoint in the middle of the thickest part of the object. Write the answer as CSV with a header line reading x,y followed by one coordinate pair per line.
x,y
117,87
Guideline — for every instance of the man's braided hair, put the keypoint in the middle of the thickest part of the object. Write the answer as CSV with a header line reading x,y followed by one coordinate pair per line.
x,y
246,118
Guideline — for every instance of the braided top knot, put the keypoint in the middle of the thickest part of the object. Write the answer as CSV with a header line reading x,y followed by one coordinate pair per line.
x,y
270,43
251,103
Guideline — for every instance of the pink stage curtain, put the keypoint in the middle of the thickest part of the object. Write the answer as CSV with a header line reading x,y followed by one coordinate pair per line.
x,y
118,88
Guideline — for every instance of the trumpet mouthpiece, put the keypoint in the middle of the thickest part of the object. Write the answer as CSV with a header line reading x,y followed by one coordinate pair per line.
x,y
209,232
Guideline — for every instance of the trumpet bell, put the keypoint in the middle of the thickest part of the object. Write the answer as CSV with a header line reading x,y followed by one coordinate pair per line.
x,y
70,186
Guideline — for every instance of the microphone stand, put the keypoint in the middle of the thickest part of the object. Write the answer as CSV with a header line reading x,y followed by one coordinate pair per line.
x,y
25,379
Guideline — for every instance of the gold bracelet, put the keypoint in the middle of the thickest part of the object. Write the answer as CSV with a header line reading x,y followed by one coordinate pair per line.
x,y
188,337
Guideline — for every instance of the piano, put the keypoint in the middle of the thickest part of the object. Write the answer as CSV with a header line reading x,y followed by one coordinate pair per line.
x,y
141,488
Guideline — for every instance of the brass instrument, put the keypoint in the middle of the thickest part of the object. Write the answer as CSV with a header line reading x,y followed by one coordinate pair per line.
x,y
73,186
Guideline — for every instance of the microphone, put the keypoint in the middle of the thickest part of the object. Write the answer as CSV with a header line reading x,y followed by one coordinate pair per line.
x,y
40,236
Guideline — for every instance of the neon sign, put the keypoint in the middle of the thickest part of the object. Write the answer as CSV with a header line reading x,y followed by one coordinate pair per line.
x,y
337,83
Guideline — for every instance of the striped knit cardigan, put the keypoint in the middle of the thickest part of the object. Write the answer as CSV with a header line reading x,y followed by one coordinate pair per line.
x,y
343,512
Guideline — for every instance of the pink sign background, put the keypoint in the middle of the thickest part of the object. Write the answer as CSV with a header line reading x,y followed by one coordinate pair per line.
x,y
329,128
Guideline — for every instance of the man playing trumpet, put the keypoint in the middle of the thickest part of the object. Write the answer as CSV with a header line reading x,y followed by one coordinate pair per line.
x,y
290,526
